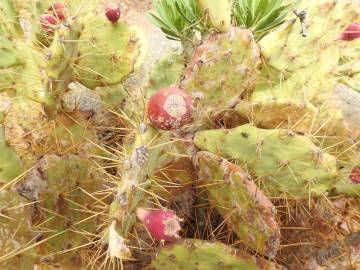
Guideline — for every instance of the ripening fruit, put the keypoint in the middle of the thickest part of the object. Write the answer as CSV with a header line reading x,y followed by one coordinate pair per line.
x,y
170,108
162,225
48,23
355,175
351,32
59,10
112,12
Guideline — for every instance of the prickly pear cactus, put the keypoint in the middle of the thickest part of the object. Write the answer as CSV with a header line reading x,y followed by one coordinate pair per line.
x,y
103,59
293,114
348,69
61,184
143,152
217,14
91,178
11,166
222,71
166,73
242,204
48,140
286,162
196,254
15,232
313,45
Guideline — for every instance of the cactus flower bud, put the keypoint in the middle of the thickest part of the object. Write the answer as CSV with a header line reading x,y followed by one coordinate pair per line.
x,y
170,108
59,10
112,12
355,175
351,32
48,23
162,224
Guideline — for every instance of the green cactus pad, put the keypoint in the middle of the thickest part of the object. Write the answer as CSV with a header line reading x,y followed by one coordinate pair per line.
x,y
144,150
107,52
349,50
284,161
313,105
192,254
10,163
345,186
287,50
61,54
9,19
62,185
30,132
247,211
165,73
11,64
112,96
139,164
196,254
26,125
33,82
348,71
304,66
15,232
10,56
224,68
217,14
293,114
304,84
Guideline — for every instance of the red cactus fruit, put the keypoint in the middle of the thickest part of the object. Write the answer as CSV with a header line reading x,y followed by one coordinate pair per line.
x,y
170,108
351,32
162,225
355,175
112,12
59,10
48,23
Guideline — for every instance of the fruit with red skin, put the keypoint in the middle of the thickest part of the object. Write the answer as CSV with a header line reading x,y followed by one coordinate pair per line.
x,y
59,10
170,108
112,12
355,175
351,32
48,23
162,224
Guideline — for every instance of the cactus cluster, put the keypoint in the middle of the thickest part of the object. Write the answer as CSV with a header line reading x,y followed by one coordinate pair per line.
x,y
62,76
239,152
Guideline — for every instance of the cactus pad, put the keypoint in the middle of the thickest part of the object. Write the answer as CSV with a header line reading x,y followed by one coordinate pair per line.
x,y
286,162
249,213
287,50
15,232
165,73
217,14
293,114
107,53
222,69
62,185
192,254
